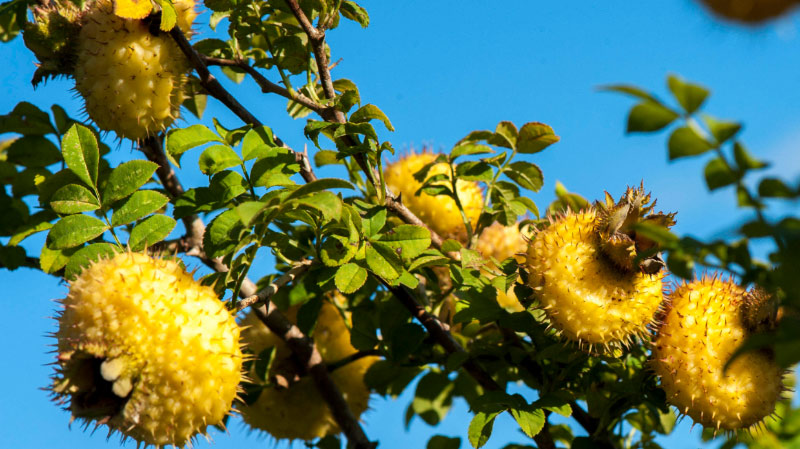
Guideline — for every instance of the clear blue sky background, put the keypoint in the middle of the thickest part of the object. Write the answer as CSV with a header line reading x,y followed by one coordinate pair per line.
x,y
440,69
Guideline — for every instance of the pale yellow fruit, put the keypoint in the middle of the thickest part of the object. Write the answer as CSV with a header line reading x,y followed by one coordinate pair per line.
x,y
299,411
585,296
703,328
439,212
146,350
130,78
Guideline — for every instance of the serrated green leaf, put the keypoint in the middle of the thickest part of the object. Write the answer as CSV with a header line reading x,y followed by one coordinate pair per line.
x,y
371,112
26,119
38,222
467,149
86,255
126,179
216,158
407,241
690,96
248,211
81,154
427,261
326,157
138,205
685,141
526,174
649,116
222,234
505,135
350,277
351,10
383,260
630,90
73,199
530,420
474,171
256,143
535,137
74,230
227,185
52,260
718,174
327,203
184,139
373,221
337,250
480,428
274,169
150,231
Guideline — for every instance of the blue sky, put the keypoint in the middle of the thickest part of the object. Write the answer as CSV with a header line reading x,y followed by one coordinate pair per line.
x,y
440,69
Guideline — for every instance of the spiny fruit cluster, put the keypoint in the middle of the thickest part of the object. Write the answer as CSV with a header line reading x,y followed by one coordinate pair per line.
x,y
146,350
439,212
750,11
707,322
290,406
130,74
582,270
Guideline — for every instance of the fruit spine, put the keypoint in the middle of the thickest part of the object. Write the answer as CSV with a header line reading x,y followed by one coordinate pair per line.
x,y
439,212
130,74
707,321
291,407
582,270
146,350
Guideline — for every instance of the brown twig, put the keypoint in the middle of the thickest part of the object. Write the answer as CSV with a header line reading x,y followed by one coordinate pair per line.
x,y
308,355
266,293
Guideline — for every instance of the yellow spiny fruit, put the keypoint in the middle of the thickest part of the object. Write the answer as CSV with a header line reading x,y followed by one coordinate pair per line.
x,y
130,74
293,408
707,322
588,298
502,242
146,350
750,11
439,212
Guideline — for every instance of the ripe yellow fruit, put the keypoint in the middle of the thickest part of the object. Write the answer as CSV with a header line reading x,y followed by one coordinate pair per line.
x,y
146,350
589,299
293,408
130,74
502,242
439,212
708,320
750,11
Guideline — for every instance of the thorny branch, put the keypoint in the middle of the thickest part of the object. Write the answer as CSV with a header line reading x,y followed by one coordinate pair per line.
x,y
264,295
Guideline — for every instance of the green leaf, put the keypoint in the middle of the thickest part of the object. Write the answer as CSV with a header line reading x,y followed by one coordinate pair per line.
x,y
480,428
428,261
649,116
505,135
656,233
86,255
364,333
690,96
630,90
32,151
337,250
222,234
526,174
718,174
263,363
467,149
181,140
350,277
319,185
217,158
475,171
248,211
169,17
327,203
535,137
530,420
685,142
408,241
406,339
52,260
274,169
720,129
73,199
227,185
26,119
140,204
744,160
383,261
74,230
351,10
371,112
38,222
126,179
12,257
150,231
774,188
433,397
373,221
256,143
326,157
81,154
443,442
